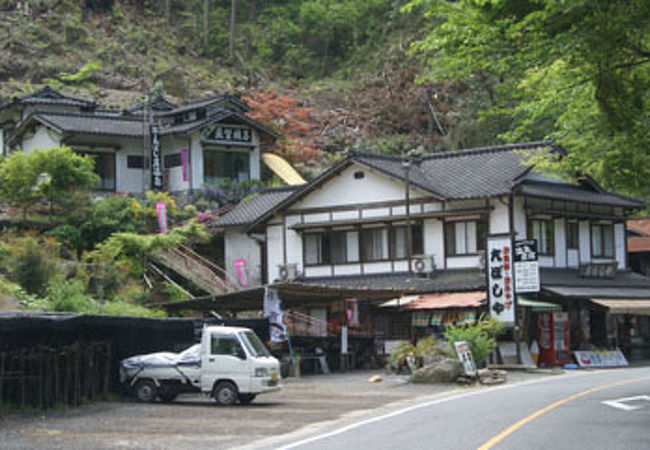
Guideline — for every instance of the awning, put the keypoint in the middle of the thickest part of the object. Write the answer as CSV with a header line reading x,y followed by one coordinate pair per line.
x,y
624,306
400,301
600,292
536,305
474,299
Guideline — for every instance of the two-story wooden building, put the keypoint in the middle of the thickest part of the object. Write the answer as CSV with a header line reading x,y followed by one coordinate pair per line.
x,y
154,145
346,231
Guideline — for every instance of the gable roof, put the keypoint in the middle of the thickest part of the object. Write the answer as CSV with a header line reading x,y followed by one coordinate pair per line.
x,y
49,96
469,174
250,210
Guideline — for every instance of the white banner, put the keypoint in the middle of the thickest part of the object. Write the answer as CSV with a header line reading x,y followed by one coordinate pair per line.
x,y
500,284
273,311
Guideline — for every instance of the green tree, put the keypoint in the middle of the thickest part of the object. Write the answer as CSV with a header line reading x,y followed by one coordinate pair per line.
x,y
574,71
53,173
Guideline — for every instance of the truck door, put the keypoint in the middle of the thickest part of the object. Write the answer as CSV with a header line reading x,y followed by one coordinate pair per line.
x,y
226,360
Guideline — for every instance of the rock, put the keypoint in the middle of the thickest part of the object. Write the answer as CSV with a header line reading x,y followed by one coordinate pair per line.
x,y
376,379
487,376
446,370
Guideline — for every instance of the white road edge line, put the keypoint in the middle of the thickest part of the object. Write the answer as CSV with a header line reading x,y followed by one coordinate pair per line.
x,y
424,405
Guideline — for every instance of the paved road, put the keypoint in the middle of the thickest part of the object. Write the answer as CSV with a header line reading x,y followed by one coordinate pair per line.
x,y
565,411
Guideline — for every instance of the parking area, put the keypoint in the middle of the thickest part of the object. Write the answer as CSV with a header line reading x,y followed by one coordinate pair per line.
x,y
196,422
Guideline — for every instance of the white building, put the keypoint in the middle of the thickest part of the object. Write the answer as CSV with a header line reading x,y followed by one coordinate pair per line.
x,y
347,228
163,146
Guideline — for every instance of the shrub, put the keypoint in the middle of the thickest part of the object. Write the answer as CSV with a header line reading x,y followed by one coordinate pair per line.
x,y
69,296
480,337
31,264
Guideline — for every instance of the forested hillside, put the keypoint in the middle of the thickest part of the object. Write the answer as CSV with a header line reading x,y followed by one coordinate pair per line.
x,y
386,75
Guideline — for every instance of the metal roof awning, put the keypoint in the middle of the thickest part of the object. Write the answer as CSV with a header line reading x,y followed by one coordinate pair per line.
x,y
536,305
599,292
474,299
399,301
638,307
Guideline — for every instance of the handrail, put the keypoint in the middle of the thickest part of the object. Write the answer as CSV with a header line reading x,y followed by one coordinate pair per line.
x,y
212,264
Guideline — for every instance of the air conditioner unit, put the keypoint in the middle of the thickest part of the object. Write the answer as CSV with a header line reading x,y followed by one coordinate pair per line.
x,y
423,265
288,272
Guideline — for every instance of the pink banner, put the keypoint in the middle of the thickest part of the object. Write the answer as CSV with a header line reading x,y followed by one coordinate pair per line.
x,y
185,164
161,209
242,271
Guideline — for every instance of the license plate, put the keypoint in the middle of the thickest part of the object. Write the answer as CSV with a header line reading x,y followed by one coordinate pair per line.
x,y
274,376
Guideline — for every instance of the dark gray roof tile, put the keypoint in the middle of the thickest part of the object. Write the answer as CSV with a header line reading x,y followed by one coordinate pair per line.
x,y
250,210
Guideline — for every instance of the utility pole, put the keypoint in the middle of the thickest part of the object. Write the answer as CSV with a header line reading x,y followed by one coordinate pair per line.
x,y
406,164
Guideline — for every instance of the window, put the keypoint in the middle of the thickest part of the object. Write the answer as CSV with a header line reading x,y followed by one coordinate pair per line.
x,y
374,244
542,230
399,241
602,240
572,235
105,168
173,160
333,247
223,344
221,165
465,237
134,162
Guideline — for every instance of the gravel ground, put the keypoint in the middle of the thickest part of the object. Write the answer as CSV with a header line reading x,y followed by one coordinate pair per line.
x,y
195,421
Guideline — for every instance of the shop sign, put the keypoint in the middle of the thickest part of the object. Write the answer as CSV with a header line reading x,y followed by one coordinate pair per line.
x,y
601,358
526,266
230,134
156,160
500,283
465,357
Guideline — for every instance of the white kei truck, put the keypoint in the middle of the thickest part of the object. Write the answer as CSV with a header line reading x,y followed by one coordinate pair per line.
x,y
230,364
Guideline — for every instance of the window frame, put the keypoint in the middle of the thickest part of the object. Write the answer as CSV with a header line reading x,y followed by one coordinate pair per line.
x,y
481,226
603,254
99,186
216,179
551,226
577,234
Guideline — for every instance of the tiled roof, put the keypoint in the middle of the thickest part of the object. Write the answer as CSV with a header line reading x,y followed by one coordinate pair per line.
x,y
108,124
570,278
462,174
49,96
444,281
576,193
253,208
641,226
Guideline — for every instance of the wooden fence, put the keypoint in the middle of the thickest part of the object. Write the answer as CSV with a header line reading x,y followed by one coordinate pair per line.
x,y
42,377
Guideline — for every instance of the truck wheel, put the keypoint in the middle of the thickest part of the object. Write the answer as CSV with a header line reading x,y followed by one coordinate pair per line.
x,y
145,391
246,399
225,393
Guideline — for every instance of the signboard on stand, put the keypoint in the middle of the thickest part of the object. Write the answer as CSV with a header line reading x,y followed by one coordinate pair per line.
x,y
465,357
526,266
500,283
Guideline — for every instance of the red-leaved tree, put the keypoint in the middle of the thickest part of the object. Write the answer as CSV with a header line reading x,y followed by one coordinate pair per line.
x,y
294,122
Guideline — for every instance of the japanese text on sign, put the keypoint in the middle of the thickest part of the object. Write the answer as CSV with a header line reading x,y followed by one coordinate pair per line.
x,y
156,163
526,266
501,292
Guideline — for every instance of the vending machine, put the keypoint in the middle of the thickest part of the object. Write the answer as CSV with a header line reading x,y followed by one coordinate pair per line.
x,y
553,338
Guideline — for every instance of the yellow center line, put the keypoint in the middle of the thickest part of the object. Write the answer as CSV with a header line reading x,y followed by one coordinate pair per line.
x,y
508,431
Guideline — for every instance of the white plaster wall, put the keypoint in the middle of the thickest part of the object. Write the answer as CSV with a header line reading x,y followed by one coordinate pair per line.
x,y
619,240
377,267
347,269
432,206
401,266
318,271
42,137
585,241
173,145
375,212
196,156
434,244
311,218
499,221
546,261
345,215
560,243
346,190
462,262
573,258
238,245
274,250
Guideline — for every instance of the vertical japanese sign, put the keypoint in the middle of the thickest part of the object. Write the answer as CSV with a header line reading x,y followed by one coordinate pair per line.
x,y
500,283
156,160
161,210
273,312
526,266
185,164
465,357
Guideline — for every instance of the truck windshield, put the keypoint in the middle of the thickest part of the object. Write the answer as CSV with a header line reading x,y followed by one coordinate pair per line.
x,y
254,344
